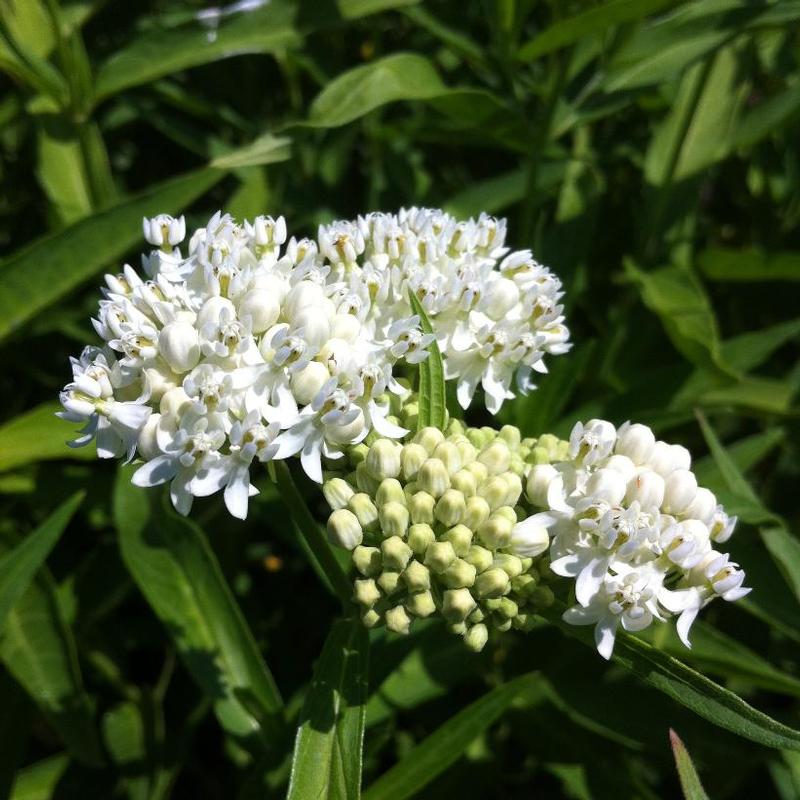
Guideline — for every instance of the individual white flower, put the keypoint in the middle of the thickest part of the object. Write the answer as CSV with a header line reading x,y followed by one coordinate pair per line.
x,y
164,230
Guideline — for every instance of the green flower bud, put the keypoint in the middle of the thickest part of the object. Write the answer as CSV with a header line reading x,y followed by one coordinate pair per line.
x,y
429,438
397,620
409,415
512,565
383,459
476,637
477,512
476,616
539,456
507,608
511,436
366,592
514,484
524,622
450,508
447,453
420,537
541,597
417,577
518,465
365,510
390,491
439,556
389,582
433,477
476,437
494,490
478,470
337,492
420,604
496,532
496,456
508,513
460,537
421,506
396,553
523,585
393,519
455,427
494,582
501,624
479,557
460,574
370,618
457,604
412,457
367,561
344,529
464,481
467,451
364,481
357,453
549,442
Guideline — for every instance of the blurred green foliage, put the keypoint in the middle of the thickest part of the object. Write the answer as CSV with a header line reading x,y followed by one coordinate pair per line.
x,y
645,149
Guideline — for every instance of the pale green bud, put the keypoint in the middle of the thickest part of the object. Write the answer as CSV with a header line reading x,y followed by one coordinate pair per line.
x,y
450,508
447,453
344,529
429,438
479,470
508,513
393,519
467,451
509,563
366,592
496,532
458,628
477,512
421,506
476,437
518,465
417,577
460,574
390,491
476,637
383,459
494,490
389,582
494,582
476,616
507,608
464,481
524,622
439,556
510,435
549,442
409,415
480,557
357,453
501,624
365,510
409,490
364,481
496,456
396,553
455,427
420,537
412,457
433,477
457,604
514,484
420,604
337,493
539,456
367,560
523,585
397,620
370,618
541,597
460,536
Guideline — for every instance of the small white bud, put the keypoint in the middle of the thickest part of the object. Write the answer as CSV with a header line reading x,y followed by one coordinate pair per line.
x,y
344,529
262,307
680,488
383,459
146,444
494,582
179,345
647,487
502,295
623,465
457,604
538,482
607,484
212,310
636,442
530,538
703,506
337,492
174,402
496,457
662,459
433,477
307,382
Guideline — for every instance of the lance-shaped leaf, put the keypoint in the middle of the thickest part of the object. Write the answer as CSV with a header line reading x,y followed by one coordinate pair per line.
x,y
690,780
432,402
179,576
328,749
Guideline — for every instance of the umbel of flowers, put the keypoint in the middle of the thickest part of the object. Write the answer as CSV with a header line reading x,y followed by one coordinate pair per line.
x,y
249,345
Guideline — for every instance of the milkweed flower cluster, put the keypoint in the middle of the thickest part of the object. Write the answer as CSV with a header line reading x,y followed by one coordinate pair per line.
x,y
633,529
439,524
249,345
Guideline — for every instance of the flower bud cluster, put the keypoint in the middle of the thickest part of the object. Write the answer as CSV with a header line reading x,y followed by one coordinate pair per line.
x,y
439,524
248,344
629,523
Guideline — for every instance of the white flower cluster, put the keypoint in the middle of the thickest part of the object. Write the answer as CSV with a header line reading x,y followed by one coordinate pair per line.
x,y
629,523
250,345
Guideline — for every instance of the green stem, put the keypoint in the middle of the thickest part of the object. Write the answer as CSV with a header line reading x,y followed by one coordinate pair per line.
x,y
317,548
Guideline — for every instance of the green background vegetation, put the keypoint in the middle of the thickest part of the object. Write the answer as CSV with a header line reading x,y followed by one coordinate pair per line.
x,y
646,150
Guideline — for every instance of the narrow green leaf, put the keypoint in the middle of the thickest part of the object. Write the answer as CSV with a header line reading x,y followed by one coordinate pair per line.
x,y
785,550
328,749
267,149
594,20
690,780
749,350
40,274
446,745
353,9
720,264
18,567
158,53
178,574
39,780
745,454
38,435
432,393
764,119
